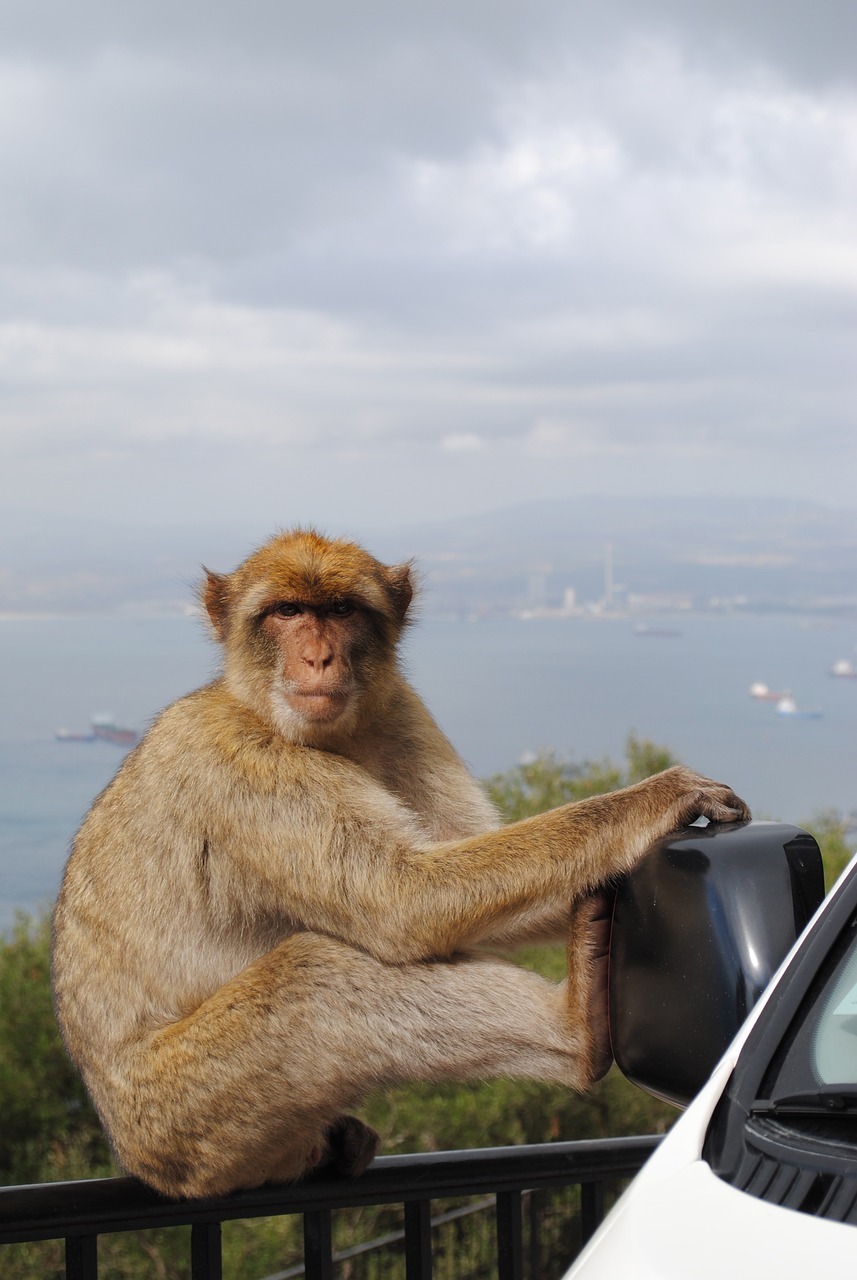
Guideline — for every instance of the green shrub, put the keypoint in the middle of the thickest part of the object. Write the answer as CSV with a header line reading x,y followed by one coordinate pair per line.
x,y
49,1129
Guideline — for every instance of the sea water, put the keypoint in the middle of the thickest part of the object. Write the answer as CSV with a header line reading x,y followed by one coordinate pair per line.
x,y
502,689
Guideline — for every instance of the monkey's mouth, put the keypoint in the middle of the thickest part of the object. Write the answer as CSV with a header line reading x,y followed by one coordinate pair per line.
x,y
318,705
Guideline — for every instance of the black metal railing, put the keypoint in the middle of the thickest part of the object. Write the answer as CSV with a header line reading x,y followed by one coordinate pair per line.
x,y
79,1212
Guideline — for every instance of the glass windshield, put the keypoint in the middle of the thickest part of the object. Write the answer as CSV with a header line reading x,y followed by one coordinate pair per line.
x,y
822,1051
834,1037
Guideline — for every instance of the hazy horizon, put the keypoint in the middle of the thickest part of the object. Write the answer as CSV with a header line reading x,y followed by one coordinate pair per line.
x,y
700,552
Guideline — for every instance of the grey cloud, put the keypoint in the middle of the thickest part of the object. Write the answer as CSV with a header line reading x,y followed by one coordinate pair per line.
x,y
810,42
239,133
353,231
813,32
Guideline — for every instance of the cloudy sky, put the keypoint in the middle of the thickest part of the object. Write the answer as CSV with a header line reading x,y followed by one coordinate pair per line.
x,y
366,262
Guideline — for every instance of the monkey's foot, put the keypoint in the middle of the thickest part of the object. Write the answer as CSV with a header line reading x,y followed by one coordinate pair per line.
x,y
588,972
351,1146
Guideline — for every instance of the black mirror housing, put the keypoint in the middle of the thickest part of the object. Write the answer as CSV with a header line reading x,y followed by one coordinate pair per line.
x,y
699,928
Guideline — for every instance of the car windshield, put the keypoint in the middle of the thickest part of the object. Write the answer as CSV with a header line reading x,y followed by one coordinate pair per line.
x,y
821,1054
834,1041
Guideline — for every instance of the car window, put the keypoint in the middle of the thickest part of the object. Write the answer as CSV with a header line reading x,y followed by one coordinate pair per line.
x,y
822,1049
834,1038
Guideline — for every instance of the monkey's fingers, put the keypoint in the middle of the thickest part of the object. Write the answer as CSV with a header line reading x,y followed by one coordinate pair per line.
x,y
719,803
690,795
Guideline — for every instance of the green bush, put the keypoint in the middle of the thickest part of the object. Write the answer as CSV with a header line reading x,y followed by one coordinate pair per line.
x,y
551,779
49,1129
831,832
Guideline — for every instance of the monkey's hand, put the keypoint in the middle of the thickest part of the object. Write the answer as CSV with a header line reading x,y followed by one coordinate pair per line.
x,y
687,795
619,828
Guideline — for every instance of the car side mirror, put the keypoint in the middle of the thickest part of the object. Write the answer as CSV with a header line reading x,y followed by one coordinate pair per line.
x,y
699,928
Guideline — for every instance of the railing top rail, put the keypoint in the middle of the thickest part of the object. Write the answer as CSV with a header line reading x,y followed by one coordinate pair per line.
x,y
52,1210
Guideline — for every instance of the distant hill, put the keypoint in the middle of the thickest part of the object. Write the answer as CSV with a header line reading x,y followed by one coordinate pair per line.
x,y
775,553
704,546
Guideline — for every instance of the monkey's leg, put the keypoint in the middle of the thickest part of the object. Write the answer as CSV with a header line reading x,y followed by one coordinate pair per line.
x,y
246,1088
588,951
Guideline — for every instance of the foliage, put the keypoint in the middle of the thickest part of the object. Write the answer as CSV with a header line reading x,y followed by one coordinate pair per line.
x,y
551,779
832,833
49,1127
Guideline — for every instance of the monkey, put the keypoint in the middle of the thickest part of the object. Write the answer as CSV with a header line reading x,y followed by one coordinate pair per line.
x,y
294,892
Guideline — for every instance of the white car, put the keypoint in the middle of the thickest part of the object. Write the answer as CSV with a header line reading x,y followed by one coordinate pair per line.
x,y
759,1176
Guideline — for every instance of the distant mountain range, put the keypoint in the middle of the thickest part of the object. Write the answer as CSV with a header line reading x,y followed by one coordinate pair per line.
x,y
773,553
765,552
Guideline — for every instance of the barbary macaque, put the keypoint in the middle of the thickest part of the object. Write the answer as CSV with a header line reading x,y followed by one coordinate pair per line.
x,y
288,895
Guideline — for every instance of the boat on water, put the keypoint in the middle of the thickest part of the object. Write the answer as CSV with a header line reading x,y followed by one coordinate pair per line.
x,y
761,692
844,669
659,633
788,707
103,728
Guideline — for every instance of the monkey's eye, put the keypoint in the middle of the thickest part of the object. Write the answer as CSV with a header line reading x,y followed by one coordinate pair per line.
x,y
340,608
287,609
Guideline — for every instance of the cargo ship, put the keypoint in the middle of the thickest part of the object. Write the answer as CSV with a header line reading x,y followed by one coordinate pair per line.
x,y
764,694
103,728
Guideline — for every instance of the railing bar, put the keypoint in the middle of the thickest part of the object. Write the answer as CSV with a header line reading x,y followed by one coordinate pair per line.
x,y
52,1211
391,1237
81,1258
418,1260
99,1206
206,1256
591,1209
318,1245
510,1243
534,1201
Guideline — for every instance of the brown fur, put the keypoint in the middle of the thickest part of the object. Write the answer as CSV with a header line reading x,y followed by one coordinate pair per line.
x,y
276,904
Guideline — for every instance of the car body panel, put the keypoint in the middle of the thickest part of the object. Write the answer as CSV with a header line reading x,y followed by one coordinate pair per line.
x,y
678,1219
692,1224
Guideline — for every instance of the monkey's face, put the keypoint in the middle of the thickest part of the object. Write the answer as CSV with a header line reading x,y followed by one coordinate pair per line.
x,y
310,628
318,650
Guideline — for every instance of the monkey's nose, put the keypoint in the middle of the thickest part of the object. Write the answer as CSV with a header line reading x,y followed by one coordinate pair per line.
x,y
318,659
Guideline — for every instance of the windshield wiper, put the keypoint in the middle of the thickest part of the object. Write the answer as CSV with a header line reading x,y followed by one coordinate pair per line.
x,y
833,1099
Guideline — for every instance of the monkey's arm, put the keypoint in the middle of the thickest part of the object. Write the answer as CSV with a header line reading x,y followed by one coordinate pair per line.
x,y
344,858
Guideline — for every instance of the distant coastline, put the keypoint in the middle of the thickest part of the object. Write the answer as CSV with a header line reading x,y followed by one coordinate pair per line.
x,y
142,610
644,555
21,615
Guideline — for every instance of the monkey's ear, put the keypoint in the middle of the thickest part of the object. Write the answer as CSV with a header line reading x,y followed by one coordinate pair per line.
x,y
401,589
215,597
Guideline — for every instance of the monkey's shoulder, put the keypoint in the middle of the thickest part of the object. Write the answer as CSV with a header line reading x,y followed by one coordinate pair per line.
x,y
209,742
